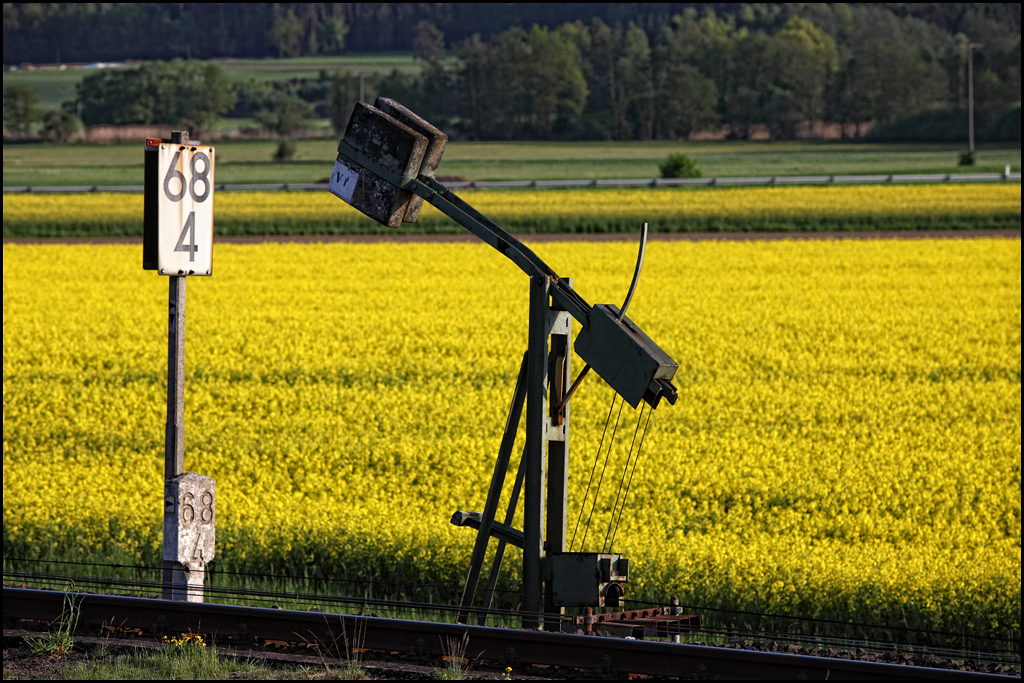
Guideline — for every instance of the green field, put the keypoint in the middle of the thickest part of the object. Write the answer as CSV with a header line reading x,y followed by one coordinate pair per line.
x,y
56,87
250,161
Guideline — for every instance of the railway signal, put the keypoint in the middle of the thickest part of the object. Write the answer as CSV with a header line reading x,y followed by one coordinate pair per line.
x,y
178,242
385,168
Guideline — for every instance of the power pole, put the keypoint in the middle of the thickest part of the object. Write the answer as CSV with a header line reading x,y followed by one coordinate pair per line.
x,y
970,101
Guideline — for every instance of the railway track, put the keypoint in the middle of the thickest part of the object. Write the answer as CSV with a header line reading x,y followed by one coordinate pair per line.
x,y
249,627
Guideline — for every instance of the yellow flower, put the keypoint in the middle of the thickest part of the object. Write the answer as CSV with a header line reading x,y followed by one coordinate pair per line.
x,y
846,440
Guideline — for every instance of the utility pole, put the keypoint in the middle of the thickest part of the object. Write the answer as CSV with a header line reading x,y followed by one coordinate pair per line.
x,y
970,102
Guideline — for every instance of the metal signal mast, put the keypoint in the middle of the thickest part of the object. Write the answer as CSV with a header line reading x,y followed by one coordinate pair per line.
x,y
385,167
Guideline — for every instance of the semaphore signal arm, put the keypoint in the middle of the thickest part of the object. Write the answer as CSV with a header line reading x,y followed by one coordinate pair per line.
x,y
610,343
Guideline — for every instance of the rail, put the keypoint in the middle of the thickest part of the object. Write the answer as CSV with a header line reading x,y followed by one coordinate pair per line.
x,y
546,184
247,626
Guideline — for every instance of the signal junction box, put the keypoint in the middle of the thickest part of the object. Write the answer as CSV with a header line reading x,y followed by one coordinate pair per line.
x,y
587,579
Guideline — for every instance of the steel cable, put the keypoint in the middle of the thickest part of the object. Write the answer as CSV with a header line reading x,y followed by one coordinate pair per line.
x,y
629,484
605,548
597,493
593,470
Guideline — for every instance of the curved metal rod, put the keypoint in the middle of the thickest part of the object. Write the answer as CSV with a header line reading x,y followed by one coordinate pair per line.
x,y
636,273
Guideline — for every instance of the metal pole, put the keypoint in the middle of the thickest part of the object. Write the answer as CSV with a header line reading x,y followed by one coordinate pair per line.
x,y
174,435
536,447
499,554
559,379
676,610
174,440
970,100
483,535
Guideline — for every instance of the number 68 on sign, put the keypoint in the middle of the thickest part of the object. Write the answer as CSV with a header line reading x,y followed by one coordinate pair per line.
x,y
178,214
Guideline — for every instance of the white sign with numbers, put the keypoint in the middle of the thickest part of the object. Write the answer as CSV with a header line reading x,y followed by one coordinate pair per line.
x,y
186,209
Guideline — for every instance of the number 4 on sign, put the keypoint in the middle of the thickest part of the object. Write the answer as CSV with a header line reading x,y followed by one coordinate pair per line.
x,y
178,217
190,231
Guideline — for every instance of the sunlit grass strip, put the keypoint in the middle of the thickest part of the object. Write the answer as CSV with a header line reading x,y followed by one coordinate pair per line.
x,y
873,207
846,443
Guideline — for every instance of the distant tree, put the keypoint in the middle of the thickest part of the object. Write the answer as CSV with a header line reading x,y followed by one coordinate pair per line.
x,y
285,114
429,42
743,112
554,86
846,103
521,83
635,87
748,83
250,97
201,95
287,35
331,36
604,46
991,96
781,112
21,108
58,126
687,101
890,79
473,81
805,58
183,93
342,94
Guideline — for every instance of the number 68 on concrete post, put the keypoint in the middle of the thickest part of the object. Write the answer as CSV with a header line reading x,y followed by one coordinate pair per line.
x,y
178,214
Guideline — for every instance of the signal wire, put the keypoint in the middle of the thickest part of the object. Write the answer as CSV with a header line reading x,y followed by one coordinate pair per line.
x,y
605,548
593,470
213,571
268,596
604,467
629,484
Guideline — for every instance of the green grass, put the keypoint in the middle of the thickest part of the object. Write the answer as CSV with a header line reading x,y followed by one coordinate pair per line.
x,y
189,662
56,87
346,225
309,67
250,161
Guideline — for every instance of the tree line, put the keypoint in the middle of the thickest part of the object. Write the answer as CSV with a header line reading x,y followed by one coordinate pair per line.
x,y
774,68
87,32
701,70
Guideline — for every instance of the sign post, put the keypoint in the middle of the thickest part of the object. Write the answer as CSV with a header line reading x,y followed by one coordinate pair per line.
x,y
178,242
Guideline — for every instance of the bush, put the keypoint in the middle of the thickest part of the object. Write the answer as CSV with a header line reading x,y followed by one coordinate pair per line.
x,y
58,126
937,124
184,93
680,166
285,150
20,110
1006,128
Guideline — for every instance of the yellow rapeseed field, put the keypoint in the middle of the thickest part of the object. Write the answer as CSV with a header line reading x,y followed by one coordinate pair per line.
x,y
846,444
839,200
